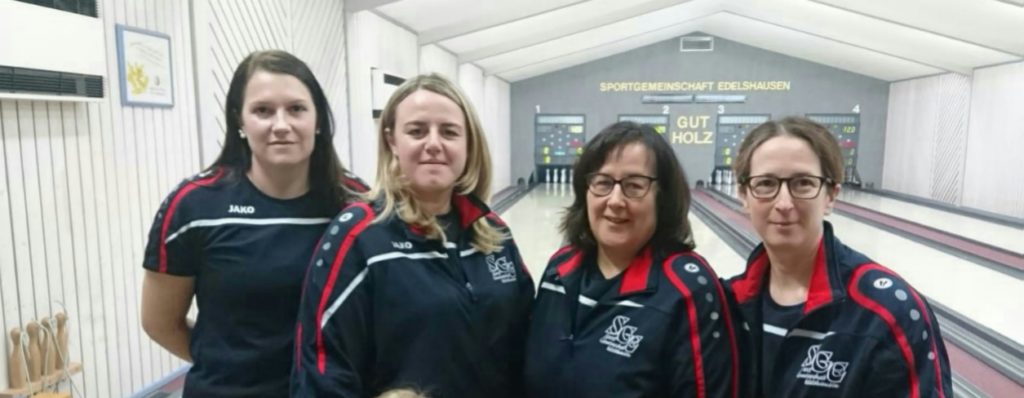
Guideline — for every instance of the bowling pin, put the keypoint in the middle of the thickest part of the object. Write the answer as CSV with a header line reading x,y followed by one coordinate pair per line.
x,y
570,177
564,178
35,357
547,177
48,344
16,363
62,340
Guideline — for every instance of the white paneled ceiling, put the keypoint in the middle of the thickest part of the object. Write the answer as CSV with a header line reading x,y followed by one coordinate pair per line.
x,y
888,40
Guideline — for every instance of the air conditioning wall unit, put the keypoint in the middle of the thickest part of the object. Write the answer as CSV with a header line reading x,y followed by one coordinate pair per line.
x,y
696,43
49,54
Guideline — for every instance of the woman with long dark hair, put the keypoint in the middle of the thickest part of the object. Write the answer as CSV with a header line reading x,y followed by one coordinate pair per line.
x,y
238,236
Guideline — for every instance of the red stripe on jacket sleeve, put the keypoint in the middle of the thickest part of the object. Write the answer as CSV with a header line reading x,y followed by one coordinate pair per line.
x,y
691,313
298,346
162,261
726,314
897,332
321,355
931,331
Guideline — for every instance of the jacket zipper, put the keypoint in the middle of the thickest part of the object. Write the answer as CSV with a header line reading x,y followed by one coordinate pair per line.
x,y
455,266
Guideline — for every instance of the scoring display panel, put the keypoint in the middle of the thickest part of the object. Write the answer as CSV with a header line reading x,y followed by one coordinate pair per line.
x,y
729,133
659,122
558,142
846,128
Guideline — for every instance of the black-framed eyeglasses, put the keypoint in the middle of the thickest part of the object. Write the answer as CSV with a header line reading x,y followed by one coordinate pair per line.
x,y
800,187
633,187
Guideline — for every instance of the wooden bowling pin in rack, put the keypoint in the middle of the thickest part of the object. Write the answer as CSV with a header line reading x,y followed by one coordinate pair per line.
x,y
39,354
35,356
62,339
16,362
48,346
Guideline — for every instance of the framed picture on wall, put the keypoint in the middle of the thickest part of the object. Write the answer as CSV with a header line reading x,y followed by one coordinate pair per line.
x,y
144,65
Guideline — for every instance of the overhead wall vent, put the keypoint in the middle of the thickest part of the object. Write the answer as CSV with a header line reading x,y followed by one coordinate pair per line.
x,y
34,81
80,7
696,43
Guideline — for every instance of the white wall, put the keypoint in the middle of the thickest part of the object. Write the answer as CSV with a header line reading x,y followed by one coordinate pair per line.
x,y
318,38
498,122
995,144
471,81
76,47
926,135
490,96
82,181
959,139
434,59
373,43
80,187
227,31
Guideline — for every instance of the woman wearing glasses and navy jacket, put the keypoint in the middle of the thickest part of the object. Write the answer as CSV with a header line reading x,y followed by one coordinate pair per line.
x,y
825,319
628,309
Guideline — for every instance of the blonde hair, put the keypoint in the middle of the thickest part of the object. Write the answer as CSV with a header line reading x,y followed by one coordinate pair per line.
x,y
475,180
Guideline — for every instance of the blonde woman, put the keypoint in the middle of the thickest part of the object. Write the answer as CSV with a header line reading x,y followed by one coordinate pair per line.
x,y
423,285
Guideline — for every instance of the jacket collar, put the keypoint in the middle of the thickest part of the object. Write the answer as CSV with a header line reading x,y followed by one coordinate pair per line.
x,y
637,278
826,282
468,207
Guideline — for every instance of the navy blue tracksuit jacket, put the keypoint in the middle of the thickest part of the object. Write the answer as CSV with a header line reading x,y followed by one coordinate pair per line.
x,y
383,308
247,253
864,332
666,330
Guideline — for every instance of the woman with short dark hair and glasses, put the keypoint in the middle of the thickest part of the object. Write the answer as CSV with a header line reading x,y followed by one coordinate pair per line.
x,y
628,309
825,319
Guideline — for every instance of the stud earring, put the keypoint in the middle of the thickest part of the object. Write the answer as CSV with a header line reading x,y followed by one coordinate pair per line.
x,y
241,134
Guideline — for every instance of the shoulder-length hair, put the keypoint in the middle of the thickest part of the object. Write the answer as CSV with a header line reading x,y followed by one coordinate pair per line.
x,y
822,142
393,190
672,204
326,174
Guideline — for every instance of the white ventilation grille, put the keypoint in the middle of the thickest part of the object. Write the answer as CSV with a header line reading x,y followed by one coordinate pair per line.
x,y
696,43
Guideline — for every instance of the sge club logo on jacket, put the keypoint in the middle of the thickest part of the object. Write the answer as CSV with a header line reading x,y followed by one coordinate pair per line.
x,y
501,269
819,370
620,338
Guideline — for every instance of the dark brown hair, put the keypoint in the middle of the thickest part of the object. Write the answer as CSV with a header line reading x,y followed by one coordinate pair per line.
x,y
325,171
672,204
817,136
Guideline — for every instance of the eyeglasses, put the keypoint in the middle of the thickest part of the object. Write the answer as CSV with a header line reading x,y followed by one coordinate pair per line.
x,y
633,187
800,187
